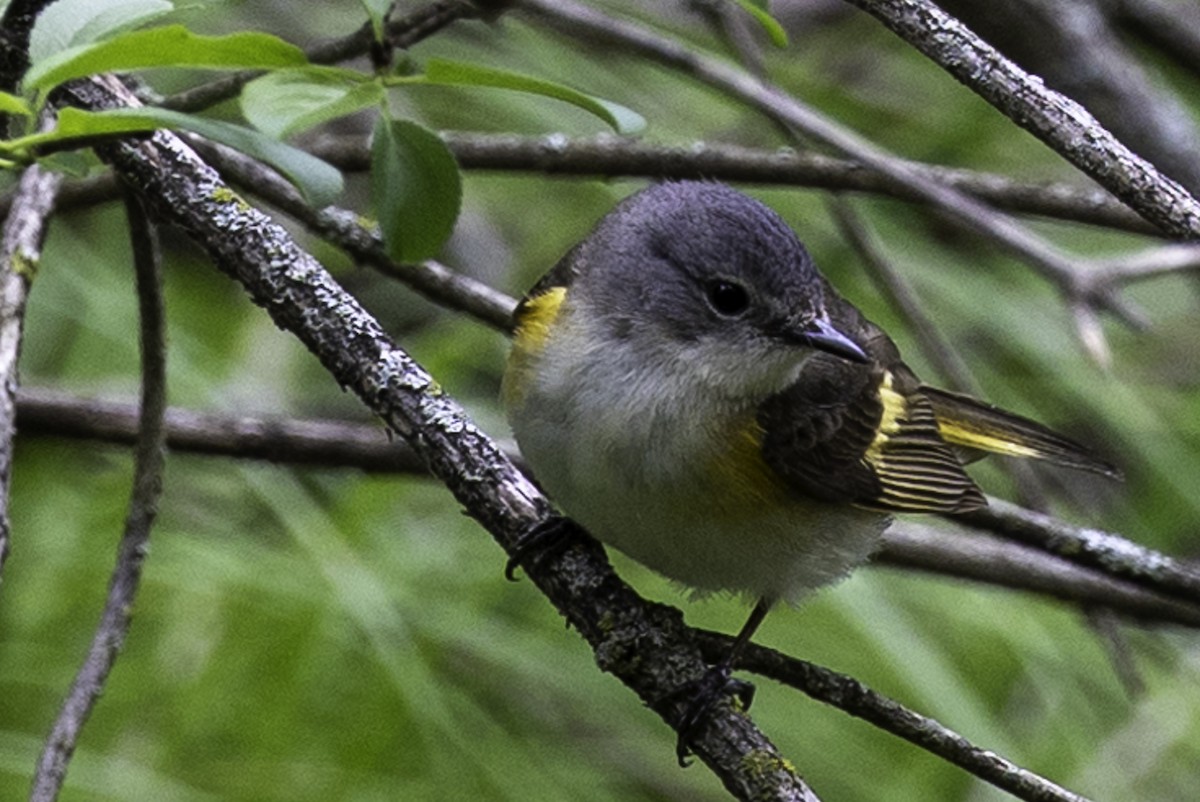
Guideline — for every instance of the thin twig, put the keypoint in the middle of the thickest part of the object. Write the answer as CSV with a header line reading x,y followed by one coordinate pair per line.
x,y
1104,621
1055,119
981,557
20,253
902,298
328,443
1091,547
616,157
1151,263
855,698
143,506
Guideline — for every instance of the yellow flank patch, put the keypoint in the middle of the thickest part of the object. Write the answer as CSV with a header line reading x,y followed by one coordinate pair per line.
x,y
745,478
535,317
959,435
894,410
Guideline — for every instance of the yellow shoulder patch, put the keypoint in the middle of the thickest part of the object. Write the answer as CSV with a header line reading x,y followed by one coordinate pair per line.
x,y
534,318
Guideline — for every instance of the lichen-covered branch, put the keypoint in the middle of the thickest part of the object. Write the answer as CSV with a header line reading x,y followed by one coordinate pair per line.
x,y
850,695
20,253
1057,120
1091,547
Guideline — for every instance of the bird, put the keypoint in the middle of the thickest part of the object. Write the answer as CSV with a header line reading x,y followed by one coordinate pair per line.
x,y
689,389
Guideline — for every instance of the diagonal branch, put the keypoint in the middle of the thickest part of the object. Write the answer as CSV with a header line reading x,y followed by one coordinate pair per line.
x,y
1055,119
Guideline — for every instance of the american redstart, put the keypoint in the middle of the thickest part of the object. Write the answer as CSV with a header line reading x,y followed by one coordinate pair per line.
x,y
690,389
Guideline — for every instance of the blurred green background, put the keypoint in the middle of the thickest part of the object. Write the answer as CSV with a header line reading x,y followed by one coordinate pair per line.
x,y
308,634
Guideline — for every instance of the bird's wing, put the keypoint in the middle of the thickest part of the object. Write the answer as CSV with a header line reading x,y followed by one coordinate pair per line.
x,y
861,434
865,434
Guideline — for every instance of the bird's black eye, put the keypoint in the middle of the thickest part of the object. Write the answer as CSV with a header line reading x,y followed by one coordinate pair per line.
x,y
727,298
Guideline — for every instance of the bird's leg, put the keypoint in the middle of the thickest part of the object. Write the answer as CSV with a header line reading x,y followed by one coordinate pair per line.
x,y
717,684
550,536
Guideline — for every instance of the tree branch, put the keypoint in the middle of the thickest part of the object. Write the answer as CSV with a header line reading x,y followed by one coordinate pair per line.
x,y
328,443
1075,49
975,556
20,253
851,696
614,157
1091,547
1057,120
143,507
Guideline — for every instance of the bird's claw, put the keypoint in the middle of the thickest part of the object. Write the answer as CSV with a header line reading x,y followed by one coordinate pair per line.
x,y
550,536
703,694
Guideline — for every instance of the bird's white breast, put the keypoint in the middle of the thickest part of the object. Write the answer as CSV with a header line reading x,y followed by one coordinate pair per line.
x,y
672,475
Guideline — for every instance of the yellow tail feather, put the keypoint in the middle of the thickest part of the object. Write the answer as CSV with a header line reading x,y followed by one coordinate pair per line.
x,y
968,423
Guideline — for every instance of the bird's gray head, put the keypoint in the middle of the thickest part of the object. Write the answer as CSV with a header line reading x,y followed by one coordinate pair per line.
x,y
698,272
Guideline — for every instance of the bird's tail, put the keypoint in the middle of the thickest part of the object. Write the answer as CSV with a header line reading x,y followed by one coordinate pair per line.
x,y
976,426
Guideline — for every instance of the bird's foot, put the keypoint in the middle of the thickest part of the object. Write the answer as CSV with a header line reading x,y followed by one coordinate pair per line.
x,y
551,536
702,696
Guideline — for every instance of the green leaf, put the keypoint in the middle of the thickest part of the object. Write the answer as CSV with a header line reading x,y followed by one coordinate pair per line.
x,y
319,182
70,23
11,104
762,16
377,10
289,101
169,46
75,163
416,189
453,73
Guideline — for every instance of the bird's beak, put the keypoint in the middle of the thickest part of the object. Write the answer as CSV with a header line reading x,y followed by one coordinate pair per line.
x,y
820,334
